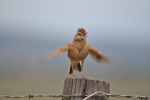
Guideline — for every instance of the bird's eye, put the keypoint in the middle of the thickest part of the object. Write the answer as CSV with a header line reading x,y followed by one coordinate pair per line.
x,y
79,33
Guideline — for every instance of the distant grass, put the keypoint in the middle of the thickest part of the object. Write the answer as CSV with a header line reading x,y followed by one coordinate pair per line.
x,y
47,84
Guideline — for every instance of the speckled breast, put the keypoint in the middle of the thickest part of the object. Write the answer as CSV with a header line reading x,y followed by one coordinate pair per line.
x,y
78,53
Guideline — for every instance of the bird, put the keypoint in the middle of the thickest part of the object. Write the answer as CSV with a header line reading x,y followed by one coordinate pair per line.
x,y
78,50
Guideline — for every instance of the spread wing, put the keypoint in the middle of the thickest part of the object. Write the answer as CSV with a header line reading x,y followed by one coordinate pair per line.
x,y
59,51
48,56
97,55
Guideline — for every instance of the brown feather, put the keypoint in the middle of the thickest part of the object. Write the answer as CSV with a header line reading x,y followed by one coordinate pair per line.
x,y
97,55
60,50
82,30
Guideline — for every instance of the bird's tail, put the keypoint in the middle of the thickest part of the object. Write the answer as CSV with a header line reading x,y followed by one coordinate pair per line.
x,y
77,68
70,70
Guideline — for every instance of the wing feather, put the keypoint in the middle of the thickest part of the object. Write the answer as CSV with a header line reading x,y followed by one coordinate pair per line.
x,y
48,56
59,51
98,55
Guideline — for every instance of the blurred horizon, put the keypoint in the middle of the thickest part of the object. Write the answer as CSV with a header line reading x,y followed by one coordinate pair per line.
x,y
119,29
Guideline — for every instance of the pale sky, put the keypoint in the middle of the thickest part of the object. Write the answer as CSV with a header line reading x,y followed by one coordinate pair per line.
x,y
117,19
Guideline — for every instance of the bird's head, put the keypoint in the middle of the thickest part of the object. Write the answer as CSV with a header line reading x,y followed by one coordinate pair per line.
x,y
81,34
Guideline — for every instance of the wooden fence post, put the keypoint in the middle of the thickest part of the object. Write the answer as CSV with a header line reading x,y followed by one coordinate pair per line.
x,y
84,86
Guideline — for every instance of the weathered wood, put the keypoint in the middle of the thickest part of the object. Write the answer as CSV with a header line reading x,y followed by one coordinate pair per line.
x,y
84,86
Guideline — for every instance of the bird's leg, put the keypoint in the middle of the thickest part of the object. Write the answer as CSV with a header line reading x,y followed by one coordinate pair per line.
x,y
82,69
